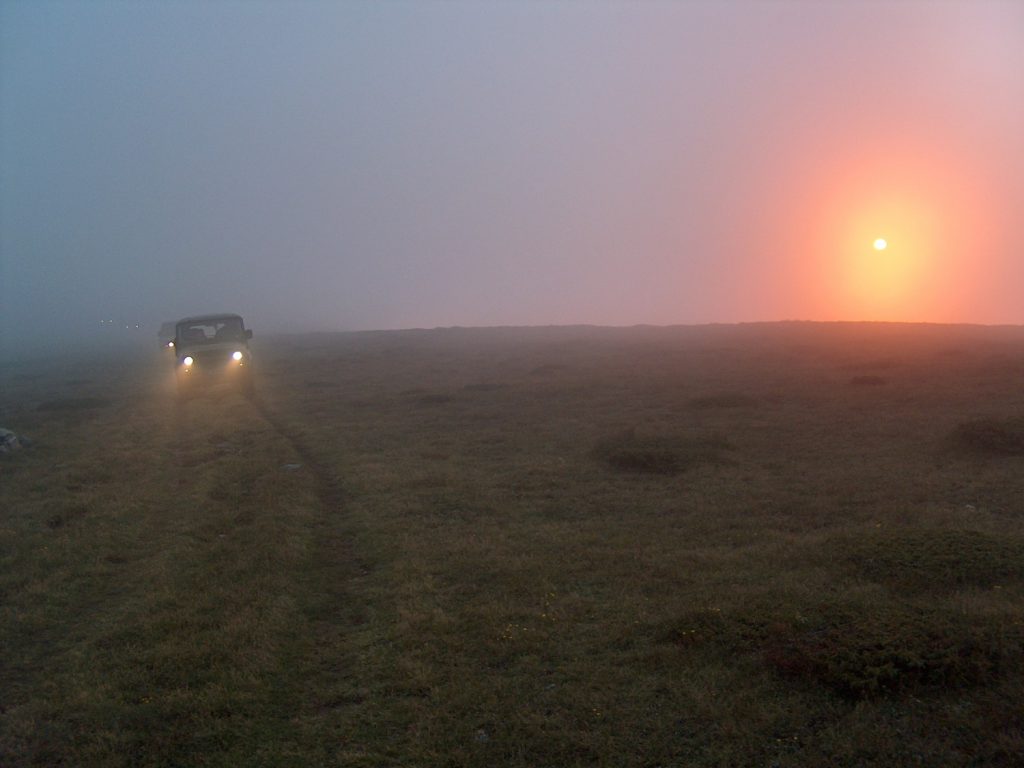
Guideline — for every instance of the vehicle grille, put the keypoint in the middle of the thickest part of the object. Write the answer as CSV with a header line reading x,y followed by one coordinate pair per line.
x,y
211,358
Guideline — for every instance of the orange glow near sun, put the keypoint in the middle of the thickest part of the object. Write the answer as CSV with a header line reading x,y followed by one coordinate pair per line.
x,y
921,269
885,282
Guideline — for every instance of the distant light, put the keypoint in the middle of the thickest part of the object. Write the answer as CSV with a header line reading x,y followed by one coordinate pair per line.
x,y
880,244
236,355
187,360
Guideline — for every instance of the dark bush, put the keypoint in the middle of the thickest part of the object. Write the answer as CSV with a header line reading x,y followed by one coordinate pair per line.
x,y
858,652
659,454
434,399
923,560
483,387
864,655
1003,437
699,627
724,400
67,513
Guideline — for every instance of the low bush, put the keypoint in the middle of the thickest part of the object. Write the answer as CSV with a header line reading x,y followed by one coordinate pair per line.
x,y
930,560
991,436
858,652
862,654
724,400
434,399
660,454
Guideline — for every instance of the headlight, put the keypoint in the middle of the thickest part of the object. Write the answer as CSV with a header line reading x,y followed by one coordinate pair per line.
x,y
170,344
187,360
236,355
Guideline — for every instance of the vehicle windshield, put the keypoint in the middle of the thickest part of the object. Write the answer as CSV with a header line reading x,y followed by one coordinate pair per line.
x,y
211,331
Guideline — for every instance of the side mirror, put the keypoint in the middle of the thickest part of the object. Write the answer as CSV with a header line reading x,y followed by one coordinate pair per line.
x,y
248,334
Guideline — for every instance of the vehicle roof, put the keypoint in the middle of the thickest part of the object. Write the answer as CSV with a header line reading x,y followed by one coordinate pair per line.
x,y
207,318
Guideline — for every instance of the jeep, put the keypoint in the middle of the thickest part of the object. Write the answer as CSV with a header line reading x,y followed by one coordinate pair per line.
x,y
212,350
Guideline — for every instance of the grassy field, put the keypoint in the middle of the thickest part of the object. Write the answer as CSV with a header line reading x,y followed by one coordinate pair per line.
x,y
763,545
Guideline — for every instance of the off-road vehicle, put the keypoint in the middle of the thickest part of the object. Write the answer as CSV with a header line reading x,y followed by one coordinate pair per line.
x,y
212,350
166,336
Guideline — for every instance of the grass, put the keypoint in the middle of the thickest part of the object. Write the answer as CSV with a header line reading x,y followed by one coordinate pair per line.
x,y
857,651
914,559
528,547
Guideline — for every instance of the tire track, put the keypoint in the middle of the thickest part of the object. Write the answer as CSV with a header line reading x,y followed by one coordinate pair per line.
x,y
328,487
327,661
312,657
181,419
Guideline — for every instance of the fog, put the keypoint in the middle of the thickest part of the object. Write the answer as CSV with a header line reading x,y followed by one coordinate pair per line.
x,y
330,166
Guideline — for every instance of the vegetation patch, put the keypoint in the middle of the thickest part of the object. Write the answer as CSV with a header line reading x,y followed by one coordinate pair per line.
x,y
861,654
929,560
66,513
723,400
1002,437
547,369
879,364
660,454
342,576
858,652
703,626
434,399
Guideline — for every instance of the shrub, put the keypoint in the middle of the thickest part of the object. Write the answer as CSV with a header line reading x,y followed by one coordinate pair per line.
x,y
483,387
434,399
943,560
67,513
858,652
865,654
697,628
1003,437
659,454
724,400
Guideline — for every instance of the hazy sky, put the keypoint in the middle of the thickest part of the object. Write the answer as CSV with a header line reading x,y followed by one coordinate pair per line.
x,y
412,164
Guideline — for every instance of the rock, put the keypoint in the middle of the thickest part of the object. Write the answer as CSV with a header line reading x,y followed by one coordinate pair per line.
x,y
10,442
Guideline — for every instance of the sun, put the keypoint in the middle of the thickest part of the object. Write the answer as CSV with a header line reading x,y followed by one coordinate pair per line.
x,y
897,234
